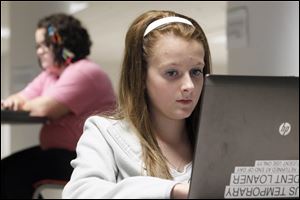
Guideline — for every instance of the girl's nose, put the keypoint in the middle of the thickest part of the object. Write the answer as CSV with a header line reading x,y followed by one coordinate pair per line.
x,y
187,83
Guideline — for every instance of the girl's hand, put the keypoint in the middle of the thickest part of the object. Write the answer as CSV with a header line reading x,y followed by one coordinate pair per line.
x,y
180,191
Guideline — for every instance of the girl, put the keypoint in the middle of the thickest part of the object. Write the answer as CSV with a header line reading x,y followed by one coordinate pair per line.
x,y
145,150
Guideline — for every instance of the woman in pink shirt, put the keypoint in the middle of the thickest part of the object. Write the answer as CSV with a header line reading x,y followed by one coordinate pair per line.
x,y
68,90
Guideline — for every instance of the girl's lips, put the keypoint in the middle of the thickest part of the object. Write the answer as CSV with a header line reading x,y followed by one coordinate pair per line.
x,y
184,101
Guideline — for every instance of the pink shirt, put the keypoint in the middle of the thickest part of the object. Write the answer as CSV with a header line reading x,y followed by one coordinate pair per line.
x,y
84,88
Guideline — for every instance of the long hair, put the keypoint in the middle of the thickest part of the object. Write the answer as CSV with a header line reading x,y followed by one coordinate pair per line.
x,y
70,35
133,98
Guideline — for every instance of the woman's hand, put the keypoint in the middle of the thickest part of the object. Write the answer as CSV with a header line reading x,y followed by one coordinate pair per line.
x,y
180,191
14,102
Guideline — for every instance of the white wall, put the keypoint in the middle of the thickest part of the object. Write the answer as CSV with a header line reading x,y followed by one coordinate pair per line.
x,y
263,38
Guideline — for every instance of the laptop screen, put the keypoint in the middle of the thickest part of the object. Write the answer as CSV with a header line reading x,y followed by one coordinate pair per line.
x,y
248,140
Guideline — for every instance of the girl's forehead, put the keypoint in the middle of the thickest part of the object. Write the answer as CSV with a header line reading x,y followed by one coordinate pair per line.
x,y
176,46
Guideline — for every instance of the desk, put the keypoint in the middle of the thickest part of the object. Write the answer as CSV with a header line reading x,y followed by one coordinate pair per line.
x,y
20,117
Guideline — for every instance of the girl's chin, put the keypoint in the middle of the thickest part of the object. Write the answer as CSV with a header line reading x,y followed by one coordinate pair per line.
x,y
183,115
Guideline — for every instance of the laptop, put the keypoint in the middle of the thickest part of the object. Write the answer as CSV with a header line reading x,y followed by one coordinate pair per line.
x,y
248,140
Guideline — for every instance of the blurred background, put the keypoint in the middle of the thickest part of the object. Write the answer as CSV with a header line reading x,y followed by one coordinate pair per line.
x,y
247,38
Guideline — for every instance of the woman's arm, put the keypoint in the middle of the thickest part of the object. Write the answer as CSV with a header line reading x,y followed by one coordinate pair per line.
x,y
46,107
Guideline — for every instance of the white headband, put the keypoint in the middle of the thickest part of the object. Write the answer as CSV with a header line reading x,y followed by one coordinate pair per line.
x,y
165,20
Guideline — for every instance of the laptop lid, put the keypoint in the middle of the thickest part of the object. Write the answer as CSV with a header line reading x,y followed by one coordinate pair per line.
x,y
248,140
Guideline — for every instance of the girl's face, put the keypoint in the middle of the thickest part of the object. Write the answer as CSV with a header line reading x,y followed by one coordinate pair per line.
x,y
175,77
44,53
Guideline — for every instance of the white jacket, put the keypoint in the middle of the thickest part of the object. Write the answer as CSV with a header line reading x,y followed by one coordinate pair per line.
x,y
109,165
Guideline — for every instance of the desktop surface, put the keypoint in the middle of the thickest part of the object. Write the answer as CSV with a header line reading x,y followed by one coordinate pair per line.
x,y
14,117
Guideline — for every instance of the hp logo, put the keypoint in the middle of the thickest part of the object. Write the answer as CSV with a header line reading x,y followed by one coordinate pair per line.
x,y
285,129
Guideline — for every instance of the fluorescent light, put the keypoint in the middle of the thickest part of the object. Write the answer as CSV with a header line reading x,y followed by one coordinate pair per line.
x,y
77,6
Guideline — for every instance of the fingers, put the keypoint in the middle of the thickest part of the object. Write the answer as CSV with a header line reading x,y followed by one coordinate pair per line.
x,y
6,104
15,104
11,104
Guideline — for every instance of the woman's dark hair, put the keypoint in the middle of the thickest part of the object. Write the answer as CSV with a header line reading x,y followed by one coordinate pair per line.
x,y
72,37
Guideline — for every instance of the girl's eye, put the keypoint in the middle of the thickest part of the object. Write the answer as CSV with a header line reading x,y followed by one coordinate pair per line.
x,y
196,72
172,73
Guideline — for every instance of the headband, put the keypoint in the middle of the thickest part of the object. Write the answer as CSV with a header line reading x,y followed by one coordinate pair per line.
x,y
165,20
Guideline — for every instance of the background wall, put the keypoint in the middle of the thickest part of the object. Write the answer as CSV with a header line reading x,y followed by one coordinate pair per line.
x,y
263,38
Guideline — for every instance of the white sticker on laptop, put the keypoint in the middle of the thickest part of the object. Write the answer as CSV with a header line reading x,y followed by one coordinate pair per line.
x,y
266,179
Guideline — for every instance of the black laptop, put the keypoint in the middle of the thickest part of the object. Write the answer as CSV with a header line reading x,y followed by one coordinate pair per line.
x,y
248,140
